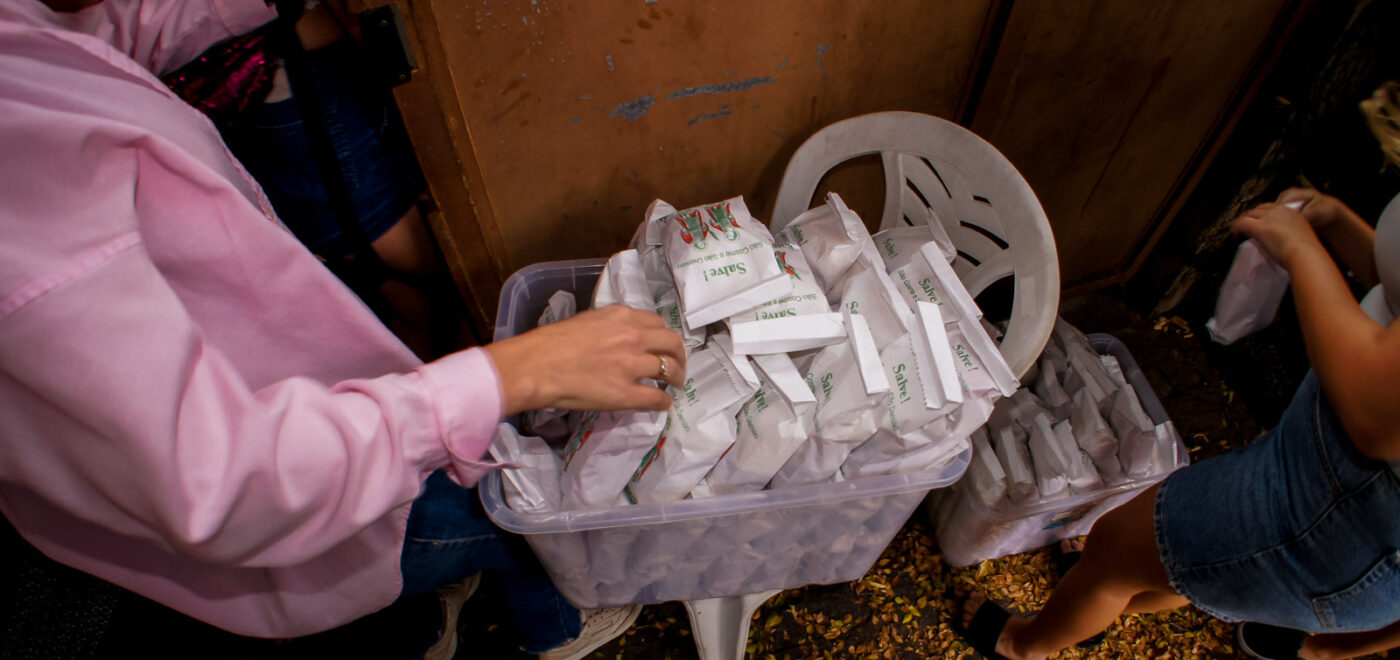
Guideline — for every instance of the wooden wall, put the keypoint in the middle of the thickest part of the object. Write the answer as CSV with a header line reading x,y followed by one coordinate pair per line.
x,y
546,127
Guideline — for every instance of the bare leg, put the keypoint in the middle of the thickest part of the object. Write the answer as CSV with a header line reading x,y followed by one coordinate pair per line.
x,y
408,248
1122,566
1336,646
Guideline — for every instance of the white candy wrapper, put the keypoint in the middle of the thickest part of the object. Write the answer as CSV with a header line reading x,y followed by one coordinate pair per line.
x,y
722,261
981,367
1083,476
985,473
1083,360
908,425
897,246
870,293
787,335
1114,369
602,454
771,426
1250,296
1050,467
1136,433
928,278
1091,432
829,241
551,422
683,455
1011,450
1047,387
846,416
715,383
624,282
937,367
1055,355
532,483
806,297
666,300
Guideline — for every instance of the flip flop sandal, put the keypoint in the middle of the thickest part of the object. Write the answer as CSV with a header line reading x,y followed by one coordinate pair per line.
x,y
985,629
1266,642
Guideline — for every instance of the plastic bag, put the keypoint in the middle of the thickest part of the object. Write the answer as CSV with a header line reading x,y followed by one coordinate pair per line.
x,y
1249,297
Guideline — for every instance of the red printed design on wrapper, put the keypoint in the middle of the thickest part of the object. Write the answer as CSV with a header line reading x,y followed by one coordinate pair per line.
x,y
694,231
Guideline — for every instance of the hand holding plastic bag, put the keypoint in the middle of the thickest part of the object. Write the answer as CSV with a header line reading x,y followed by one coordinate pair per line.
x,y
1252,291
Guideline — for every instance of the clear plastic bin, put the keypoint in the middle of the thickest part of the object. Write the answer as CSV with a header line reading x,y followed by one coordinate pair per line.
x,y
708,548
969,531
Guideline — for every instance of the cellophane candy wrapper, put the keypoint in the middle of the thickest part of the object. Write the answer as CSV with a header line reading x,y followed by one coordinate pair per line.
x,y
532,476
771,426
846,416
551,423
722,261
1250,296
603,452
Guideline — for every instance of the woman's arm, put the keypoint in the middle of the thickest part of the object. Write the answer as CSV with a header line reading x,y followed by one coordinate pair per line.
x,y
1350,238
1356,359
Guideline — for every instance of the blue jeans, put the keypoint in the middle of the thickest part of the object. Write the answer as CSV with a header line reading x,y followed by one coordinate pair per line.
x,y
1299,529
449,538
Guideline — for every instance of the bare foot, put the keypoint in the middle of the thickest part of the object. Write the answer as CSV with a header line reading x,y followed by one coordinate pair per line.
x,y
1075,544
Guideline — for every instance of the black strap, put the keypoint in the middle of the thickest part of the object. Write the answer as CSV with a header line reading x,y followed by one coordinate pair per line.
x,y
362,269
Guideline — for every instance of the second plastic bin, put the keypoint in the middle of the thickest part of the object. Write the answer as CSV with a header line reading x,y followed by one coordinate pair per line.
x,y
708,548
969,531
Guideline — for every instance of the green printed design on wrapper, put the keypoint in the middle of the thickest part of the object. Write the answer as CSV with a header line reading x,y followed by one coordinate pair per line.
x,y
964,356
902,382
580,437
697,232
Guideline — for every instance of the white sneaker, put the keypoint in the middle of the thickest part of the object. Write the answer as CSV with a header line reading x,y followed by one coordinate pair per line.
x,y
599,627
453,596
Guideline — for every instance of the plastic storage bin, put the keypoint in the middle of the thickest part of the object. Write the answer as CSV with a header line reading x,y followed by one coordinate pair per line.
x,y
969,531
719,554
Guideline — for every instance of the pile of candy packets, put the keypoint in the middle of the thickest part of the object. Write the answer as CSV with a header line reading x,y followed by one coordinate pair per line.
x,y
816,353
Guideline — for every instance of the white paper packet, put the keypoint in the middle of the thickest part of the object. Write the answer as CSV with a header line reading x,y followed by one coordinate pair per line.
x,y
1083,476
551,423
869,292
928,278
1050,467
722,261
897,246
603,452
1082,359
531,483
907,426
624,282
771,426
981,366
1047,386
845,417
985,473
1250,295
1136,433
715,383
829,241
1010,446
806,297
666,300
1114,369
787,335
1091,432
684,454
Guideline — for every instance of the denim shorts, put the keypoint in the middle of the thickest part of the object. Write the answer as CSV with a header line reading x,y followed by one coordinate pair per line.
x,y
371,146
1298,530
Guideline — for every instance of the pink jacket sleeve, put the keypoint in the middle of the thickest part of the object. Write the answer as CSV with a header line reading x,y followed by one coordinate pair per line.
x,y
163,35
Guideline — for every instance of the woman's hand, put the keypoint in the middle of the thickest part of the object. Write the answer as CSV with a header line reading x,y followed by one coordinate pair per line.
x,y
595,360
1321,210
1281,231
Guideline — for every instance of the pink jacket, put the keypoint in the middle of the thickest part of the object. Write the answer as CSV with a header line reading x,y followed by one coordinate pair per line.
x,y
191,406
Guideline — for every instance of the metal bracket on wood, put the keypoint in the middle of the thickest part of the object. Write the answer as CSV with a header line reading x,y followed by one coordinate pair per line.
x,y
386,38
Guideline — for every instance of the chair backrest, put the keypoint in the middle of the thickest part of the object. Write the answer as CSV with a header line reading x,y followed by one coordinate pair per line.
x,y
988,209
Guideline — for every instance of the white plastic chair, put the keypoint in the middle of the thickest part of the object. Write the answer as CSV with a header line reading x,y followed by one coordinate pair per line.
x,y
990,212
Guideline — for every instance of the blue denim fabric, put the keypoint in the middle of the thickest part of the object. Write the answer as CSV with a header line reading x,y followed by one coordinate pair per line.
x,y
449,537
376,158
1297,530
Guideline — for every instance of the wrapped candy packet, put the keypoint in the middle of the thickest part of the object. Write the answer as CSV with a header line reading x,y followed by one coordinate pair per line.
x,y
684,454
771,426
624,282
829,240
845,417
722,261
1080,471
531,477
985,473
602,454
1050,466
868,291
927,277
1010,446
806,296
1091,432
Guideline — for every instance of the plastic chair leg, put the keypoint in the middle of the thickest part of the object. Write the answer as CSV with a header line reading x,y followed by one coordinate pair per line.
x,y
721,625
